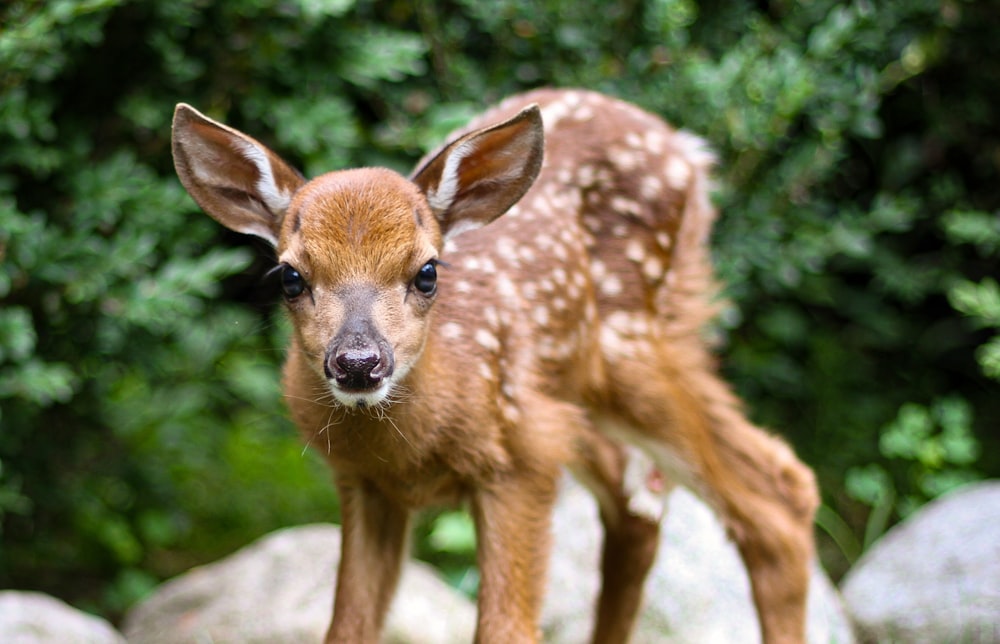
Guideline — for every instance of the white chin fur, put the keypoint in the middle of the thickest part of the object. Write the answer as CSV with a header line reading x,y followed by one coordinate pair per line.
x,y
362,399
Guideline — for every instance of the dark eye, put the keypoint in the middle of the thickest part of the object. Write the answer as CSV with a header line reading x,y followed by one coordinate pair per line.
x,y
426,279
292,282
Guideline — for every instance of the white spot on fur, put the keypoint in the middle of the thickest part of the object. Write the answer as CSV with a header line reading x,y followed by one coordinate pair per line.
x,y
540,314
652,268
553,113
625,205
583,113
451,330
677,171
491,317
611,285
506,247
635,251
506,288
626,160
656,142
663,240
509,411
487,340
650,187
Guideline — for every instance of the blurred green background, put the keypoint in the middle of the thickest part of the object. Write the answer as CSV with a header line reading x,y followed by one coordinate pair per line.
x,y
141,426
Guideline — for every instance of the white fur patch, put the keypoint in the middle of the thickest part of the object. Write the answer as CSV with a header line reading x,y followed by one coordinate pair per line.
x,y
642,500
443,195
274,198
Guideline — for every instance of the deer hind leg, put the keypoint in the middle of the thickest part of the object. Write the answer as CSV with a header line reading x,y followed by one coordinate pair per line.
x,y
666,399
630,514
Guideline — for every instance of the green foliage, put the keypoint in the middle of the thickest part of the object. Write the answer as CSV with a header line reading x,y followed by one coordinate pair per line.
x,y
448,541
141,424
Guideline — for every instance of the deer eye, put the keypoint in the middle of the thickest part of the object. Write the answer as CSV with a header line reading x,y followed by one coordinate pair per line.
x,y
426,279
292,282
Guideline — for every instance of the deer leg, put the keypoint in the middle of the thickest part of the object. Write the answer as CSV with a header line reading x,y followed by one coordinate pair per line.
x,y
513,519
374,536
630,514
688,421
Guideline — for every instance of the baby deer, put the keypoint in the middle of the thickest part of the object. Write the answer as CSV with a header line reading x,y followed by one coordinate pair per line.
x,y
441,358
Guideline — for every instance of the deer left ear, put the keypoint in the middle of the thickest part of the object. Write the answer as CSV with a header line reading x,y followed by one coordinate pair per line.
x,y
477,177
238,181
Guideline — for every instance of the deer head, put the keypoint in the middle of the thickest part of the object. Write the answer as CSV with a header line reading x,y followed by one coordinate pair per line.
x,y
358,250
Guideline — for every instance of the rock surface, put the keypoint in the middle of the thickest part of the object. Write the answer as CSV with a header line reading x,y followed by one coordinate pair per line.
x,y
36,618
697,591
280,589
936,576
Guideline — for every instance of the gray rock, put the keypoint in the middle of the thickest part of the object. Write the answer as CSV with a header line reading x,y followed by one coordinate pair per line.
x,y
936,576
36,618
280,589
697,591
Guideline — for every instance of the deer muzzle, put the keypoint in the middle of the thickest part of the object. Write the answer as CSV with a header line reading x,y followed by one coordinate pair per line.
x,y
358,359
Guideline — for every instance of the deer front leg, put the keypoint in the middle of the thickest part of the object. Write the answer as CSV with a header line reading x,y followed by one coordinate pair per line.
x,y
374,536
513,518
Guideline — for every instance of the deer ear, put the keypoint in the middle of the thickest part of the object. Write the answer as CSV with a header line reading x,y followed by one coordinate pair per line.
x,y
234,178
477,177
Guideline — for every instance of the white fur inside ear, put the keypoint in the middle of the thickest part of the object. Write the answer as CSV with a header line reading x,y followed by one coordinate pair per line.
x,y
441,197
461,226
274,198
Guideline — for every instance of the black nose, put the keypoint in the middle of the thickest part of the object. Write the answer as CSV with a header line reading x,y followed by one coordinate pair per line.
x,y
356,365
358,368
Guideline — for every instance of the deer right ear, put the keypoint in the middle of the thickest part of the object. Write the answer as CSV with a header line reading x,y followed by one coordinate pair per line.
x,y
234,178
476,178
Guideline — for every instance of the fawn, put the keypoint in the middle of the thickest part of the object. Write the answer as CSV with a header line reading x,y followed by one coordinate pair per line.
x,y
439,358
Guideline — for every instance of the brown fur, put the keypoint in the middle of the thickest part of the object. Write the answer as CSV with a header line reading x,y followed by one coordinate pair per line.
x,y
568,324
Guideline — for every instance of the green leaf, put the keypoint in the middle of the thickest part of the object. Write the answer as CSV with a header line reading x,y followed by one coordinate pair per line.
x,y
453,532
17,334
38,382
979,301
313,9
988,356
381,54
974,227
868,484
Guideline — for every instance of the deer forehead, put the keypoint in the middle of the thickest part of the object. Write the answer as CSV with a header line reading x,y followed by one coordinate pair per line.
x,y
370,224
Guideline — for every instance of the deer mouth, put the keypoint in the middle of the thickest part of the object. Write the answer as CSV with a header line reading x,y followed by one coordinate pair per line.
x,y
360,397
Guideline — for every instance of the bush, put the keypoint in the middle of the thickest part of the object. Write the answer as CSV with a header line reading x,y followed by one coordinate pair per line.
x,y
142,429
